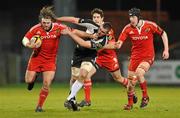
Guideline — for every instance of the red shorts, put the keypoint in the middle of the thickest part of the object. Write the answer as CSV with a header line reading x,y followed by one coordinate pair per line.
x,y
41,65
134,63
110,64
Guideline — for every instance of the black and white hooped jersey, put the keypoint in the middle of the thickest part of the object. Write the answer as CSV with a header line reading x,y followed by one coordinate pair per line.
x,y
82,52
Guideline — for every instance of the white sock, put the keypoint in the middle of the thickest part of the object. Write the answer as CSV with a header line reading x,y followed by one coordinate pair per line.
x,y
74,89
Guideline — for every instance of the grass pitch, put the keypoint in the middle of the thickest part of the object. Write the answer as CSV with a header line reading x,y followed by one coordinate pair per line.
x,y
107,102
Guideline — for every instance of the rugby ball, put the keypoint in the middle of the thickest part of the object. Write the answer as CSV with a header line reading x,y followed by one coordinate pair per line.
x,y
36,40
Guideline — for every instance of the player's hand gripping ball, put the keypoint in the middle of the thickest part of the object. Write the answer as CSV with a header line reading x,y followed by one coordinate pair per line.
x,y
36,41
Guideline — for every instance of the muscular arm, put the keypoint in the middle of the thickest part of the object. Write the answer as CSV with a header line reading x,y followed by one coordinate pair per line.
x,y
79,40
165,41
83,34
68,19
113,45
166,46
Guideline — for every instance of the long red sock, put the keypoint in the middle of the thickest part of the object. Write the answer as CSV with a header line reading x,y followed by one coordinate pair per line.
x,y
143,87
42,96
130,97
87,90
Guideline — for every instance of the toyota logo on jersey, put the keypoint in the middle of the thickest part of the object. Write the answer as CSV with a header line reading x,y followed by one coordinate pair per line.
x,y
48,36
139,37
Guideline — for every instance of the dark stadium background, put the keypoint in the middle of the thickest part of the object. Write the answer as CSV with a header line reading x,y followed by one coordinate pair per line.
x,y
16,17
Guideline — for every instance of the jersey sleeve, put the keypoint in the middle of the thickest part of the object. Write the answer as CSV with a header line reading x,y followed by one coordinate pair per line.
x,y
88,23
61,26
123,35
156,29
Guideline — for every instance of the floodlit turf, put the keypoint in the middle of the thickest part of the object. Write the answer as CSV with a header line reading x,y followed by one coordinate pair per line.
x,y
107,102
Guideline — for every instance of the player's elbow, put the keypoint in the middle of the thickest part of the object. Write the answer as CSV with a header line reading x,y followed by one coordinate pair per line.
x,y
25,41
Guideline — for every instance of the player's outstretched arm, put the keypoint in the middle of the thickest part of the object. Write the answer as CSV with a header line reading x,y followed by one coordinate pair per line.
x,y
68,19
164,37
80,41
113,45
83,34
76,38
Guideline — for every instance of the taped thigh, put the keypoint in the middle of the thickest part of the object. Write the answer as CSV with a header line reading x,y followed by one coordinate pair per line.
x,y
75,71
143,67
86,66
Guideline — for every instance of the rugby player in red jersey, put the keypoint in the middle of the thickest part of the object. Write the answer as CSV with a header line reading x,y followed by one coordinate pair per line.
x,y
43,59
106,58
141,33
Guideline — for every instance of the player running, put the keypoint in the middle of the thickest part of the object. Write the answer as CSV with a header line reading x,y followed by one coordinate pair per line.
x,y
43,59
141,33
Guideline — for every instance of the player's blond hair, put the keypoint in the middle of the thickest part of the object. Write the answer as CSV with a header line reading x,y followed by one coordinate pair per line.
x,y
47,12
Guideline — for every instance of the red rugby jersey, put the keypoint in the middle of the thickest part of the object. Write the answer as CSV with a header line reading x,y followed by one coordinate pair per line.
x,y
105,54
141,38
50,39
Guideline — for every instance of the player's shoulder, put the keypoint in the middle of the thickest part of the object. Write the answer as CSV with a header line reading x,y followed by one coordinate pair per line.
x,y
147,22
127,27
56,24
35,27
59,25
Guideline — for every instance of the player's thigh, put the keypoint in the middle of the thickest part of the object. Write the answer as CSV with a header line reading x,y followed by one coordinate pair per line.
x,y
30,76
142,68
48,76
75,73
85,68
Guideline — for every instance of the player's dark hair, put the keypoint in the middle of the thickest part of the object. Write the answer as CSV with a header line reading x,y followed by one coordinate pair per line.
x,y
107,25
98,11
47,12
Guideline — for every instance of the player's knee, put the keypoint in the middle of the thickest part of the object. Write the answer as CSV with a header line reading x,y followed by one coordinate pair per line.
x,y
46,84
117,78
88,77
72,80
139,73
83,74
